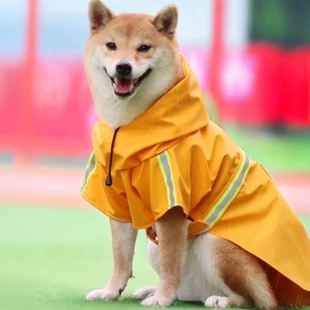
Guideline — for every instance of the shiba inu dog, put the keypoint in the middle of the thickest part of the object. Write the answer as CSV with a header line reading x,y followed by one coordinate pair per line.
x,y
219,230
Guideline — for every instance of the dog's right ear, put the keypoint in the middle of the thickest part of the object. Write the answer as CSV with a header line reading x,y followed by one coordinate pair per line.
x,y
98,15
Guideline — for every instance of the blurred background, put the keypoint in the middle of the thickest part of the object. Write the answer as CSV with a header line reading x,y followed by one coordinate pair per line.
x,y
252,58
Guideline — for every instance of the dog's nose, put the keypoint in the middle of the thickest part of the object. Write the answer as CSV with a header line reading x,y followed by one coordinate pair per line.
x,y
123,68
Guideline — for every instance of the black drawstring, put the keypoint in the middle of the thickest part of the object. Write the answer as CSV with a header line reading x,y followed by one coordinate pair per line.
x,y
108,180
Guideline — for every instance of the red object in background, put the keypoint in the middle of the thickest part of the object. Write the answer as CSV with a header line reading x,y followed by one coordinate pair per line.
x,y
296,87
250,85
9,102
197,58
216,49
264,85
63,109
25,152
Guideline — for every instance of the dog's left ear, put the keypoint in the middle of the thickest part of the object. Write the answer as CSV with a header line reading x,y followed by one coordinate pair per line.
x,y
166,20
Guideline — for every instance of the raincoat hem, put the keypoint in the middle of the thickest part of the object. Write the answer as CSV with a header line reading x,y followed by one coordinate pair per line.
x,y
258,255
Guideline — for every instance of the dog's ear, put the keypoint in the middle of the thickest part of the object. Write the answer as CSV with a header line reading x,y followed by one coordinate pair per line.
x,y
166,20
98,15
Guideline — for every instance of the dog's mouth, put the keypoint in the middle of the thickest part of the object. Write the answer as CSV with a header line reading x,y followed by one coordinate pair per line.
x,y
124,87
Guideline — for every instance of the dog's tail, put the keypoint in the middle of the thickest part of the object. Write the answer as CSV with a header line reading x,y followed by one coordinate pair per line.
x,y
259,288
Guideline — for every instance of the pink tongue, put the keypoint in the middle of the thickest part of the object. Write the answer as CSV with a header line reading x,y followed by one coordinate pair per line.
x,y
122,86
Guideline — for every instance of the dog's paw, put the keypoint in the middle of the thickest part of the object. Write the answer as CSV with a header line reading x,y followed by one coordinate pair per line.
x,y
157,301
103,294
144,292
216,302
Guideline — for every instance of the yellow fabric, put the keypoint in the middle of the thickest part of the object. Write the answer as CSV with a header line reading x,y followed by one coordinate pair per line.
x,y
173,155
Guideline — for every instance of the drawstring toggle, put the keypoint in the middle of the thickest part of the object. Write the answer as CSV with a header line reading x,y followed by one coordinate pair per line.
x,y
108,179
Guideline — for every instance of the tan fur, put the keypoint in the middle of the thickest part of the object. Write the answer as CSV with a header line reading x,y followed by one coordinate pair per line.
x,y
123,244
247,277
206,267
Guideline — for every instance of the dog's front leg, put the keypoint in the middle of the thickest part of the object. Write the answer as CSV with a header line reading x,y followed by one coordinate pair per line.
x,y
171,232
123,245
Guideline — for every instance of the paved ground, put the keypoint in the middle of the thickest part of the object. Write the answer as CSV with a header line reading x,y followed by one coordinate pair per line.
x,y
49,186
41,185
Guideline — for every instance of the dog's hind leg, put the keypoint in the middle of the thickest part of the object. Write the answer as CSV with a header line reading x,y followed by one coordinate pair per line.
x,y
123,245
144,292
223,302
171,232
242,278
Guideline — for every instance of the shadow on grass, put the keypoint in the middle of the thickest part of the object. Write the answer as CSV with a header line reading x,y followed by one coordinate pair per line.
x,y
74,300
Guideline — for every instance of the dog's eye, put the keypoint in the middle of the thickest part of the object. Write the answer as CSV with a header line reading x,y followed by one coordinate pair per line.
x,y
111,46
143,48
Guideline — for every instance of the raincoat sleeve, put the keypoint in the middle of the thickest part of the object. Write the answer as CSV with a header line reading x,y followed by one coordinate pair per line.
x,y
171,179
110,200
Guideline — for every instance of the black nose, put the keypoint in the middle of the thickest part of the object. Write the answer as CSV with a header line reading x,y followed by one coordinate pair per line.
x,y
123,68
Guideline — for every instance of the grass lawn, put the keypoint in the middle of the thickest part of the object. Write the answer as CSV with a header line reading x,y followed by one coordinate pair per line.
x,y
50,257
282,150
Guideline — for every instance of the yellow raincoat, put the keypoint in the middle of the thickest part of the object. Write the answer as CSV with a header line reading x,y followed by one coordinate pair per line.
x,y
173,155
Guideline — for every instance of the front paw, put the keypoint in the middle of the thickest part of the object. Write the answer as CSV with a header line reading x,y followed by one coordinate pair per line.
x,y
144,292
106,294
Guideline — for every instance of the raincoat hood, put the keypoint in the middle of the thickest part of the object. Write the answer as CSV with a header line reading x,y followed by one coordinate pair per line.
x,y
161,126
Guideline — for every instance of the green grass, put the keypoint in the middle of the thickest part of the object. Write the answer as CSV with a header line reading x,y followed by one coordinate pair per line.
x,y
50,258
282,150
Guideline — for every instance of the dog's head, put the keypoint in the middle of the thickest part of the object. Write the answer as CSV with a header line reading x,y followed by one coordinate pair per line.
x,y
131,55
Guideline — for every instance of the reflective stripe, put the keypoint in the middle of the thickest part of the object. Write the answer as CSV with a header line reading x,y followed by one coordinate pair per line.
x,y
229,194
166,171
90,166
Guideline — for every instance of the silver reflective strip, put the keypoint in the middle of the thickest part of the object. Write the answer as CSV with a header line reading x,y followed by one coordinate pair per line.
x,y
91,163
230,193
164,165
